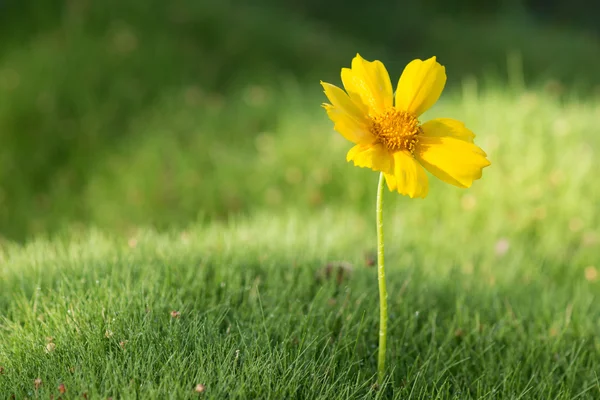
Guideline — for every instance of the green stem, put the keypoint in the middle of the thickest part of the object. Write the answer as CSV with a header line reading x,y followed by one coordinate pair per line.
x,y
383,316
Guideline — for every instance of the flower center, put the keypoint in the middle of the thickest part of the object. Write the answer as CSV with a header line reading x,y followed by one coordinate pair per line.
x,y
397,130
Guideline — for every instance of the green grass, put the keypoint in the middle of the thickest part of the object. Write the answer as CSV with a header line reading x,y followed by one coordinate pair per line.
x,y
259,318
492,290
84,88
177,157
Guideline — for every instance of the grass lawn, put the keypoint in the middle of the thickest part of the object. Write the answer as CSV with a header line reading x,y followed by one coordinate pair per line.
x,y
202,120
493,291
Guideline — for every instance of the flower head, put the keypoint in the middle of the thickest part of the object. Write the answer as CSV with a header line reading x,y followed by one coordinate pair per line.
x,y
387,133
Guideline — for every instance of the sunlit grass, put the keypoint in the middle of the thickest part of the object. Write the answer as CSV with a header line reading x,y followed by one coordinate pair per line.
x,y
541,149
258,314
87,88
492,291
263,288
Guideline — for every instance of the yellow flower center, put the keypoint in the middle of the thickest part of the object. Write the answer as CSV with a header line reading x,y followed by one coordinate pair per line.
x,y
397,130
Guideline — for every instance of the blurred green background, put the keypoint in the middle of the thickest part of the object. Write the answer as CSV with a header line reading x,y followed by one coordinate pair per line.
x,y
121,114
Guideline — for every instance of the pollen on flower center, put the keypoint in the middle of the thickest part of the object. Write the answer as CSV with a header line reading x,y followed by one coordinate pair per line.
x,y
397,130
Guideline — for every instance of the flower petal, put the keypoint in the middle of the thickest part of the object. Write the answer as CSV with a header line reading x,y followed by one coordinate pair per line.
x,y
355,89
454,161
409,177
447,127
390,179
420,86
348,127
377,157
369,85
340,100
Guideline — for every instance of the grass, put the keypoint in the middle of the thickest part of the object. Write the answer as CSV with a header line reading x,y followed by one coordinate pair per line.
x,y
176,210
492,290
86,87
260,317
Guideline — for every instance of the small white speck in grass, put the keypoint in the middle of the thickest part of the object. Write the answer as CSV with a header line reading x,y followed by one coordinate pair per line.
x,y
591,274
502,247
200,388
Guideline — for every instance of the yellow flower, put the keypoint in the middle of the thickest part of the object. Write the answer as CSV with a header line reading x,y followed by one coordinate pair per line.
x,y
386,131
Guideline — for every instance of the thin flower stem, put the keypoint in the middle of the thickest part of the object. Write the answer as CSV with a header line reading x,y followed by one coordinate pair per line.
x,y
383,316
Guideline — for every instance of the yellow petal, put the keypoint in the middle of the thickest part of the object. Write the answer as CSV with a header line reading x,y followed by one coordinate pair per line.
x,y
340,100
348,127
355,88
390,179
454,161
409,177
448,127
376,157
420,86
368,84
